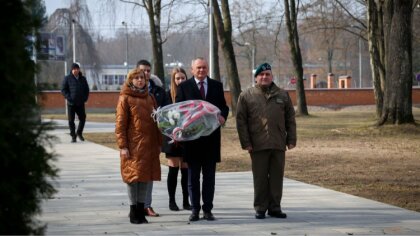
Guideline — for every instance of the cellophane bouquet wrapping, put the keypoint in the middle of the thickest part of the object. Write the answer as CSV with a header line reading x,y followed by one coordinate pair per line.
x,y
188,120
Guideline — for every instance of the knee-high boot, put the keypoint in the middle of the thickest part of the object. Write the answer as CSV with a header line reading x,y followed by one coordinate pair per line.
x,y
172,183
140,213
184,183
134,219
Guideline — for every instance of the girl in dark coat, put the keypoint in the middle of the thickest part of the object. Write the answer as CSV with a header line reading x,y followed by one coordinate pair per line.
x,y
174,152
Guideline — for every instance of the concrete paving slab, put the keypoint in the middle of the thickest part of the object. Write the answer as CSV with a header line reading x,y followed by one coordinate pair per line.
x,y
92,200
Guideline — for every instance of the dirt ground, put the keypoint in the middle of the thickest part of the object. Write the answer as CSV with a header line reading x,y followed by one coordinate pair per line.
x,y
340,150
379,169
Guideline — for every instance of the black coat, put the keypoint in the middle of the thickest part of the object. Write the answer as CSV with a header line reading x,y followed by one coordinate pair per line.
x,y
171,149
206,147
76,91
159,94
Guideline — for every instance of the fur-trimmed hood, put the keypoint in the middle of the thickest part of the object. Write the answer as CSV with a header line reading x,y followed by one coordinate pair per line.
x,y
156,80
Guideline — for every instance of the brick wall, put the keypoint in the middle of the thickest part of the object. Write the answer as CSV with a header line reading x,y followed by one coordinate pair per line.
x,y
337,97
106,101
100,101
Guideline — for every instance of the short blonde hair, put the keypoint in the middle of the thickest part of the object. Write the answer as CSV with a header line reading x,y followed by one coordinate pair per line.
x,y
133,74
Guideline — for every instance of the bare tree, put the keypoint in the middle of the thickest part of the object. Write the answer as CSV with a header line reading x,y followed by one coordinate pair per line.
x,y
397,21
325,27
153,9
390,57
224,31
256,24
157,12
291,13
62,19
215,52
324,19
377,52
416,39
373,28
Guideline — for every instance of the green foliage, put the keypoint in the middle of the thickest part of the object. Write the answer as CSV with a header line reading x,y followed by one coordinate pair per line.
x,y
26,166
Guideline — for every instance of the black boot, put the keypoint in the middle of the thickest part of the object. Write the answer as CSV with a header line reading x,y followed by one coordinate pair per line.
x,y
172,183
184,183
80,136
140,213
134,219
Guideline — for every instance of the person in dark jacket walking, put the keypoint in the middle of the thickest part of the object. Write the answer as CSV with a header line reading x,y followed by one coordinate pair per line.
x,y
202,154
76,90
265,120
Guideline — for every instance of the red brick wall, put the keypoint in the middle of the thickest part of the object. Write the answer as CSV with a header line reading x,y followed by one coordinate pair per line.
x,y
53,101
337,97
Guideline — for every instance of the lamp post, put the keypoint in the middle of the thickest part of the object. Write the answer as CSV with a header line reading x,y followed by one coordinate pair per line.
x,y
169,58
252,62
126,44
210,12
360,55
360,62
73,21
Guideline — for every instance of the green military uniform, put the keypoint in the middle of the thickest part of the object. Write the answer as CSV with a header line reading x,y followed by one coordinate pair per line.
x,y
265,121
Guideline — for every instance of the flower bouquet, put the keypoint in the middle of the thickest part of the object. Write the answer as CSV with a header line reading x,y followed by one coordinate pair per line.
x,y
188,120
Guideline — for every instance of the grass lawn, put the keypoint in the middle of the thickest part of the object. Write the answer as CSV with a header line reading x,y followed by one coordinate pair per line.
x,y
339,150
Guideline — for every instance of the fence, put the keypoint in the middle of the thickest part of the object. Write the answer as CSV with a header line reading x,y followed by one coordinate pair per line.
x,y
106,101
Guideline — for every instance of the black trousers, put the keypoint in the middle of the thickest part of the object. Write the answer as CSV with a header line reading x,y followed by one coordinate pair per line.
x,y
208,169
81,114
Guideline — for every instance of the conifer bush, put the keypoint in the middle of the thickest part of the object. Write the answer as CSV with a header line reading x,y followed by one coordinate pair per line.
x,y
26,165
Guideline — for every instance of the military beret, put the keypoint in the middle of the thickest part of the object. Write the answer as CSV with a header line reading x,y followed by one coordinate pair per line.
x,y
261,68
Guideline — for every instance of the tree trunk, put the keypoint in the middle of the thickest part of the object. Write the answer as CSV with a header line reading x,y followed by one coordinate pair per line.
x,y
377,52
397,20
291,23
224,31
153,11
215,62
330,54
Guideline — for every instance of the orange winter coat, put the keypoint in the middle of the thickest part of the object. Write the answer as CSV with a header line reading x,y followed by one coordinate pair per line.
x,y
136,130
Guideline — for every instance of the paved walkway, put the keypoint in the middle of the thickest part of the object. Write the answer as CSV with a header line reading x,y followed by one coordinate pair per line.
x,y
92,200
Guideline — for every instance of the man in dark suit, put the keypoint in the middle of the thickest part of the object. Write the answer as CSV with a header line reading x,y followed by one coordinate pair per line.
x,y
202,154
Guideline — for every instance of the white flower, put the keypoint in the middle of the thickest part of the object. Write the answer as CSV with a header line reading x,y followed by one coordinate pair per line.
x,y
176,115
171,121
170,114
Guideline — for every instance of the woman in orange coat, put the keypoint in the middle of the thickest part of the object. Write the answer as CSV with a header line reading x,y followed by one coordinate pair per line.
x,y
139,140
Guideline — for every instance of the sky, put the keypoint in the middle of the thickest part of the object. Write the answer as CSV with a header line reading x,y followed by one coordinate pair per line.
x,y
104,22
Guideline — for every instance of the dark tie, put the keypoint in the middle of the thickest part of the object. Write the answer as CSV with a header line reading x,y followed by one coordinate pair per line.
x,y
203,93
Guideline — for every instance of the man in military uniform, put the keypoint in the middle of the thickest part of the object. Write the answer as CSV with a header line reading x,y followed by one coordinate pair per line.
x,y
265,120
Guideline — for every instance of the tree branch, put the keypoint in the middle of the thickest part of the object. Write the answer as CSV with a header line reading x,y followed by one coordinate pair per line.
x,y
351,15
